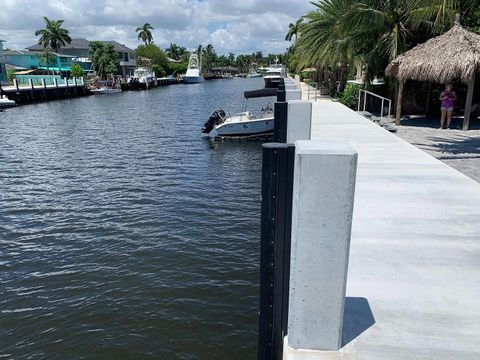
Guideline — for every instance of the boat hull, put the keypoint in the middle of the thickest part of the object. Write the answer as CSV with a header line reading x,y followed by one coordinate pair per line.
x,y
5,104
246,128
273,82
106,91
193,79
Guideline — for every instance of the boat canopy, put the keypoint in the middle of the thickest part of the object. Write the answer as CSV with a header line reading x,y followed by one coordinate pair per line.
x,y
260,93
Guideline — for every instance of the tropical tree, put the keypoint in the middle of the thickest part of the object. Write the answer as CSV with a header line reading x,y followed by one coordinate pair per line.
x,y
145,33
173,51
209,56
104,58
324,39
53,35
151,55
442,13
76,71
47,58
293,29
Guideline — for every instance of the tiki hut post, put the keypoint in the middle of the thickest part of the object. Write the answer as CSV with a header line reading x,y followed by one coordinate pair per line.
x,y
398,115
468,102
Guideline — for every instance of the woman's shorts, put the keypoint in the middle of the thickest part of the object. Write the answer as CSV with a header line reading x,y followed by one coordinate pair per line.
x,y
443,108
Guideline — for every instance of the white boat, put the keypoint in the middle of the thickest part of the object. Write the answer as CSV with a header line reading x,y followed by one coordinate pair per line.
x,y
253,74
142,78
193,75
244,123
273,78
274,75
106,90
6,102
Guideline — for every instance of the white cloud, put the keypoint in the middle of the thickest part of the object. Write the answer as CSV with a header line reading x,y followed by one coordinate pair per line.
x,y
231,26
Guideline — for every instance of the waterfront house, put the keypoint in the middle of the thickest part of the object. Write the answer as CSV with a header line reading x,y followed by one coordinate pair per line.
x,y
3,71
33,60
79,49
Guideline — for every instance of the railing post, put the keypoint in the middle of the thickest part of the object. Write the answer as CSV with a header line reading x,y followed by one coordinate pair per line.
x,y
364,100
323,195
359,98
381,111
15,84
277,185
389,109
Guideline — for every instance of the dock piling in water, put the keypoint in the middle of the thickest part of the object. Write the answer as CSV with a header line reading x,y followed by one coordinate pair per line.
x,y
277,186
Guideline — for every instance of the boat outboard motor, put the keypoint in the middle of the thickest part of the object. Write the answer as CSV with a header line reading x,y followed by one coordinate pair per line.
x,y
217,117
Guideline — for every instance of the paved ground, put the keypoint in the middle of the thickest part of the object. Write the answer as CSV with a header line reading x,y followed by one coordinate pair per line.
x,y
457,148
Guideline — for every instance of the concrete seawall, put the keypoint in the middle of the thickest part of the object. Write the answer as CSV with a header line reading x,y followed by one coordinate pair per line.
x,y
412,288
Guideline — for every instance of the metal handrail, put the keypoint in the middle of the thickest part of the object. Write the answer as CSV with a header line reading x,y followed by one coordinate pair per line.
x,y
366,92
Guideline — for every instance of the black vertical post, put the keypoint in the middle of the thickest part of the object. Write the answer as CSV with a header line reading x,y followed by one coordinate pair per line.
x,y
289,174
281,93
280,116
277,186
267,249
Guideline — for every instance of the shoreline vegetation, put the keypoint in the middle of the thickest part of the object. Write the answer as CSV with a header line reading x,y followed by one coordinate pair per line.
x,y
171,61
341,40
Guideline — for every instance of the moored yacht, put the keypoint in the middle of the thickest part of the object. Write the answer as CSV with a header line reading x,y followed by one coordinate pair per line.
x,y
143,78
244,123
274,75
193,75
253,74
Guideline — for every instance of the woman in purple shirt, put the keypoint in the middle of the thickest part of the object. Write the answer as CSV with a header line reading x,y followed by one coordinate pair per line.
x,y
448,101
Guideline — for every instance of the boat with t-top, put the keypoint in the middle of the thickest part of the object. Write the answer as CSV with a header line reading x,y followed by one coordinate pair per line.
x,y
244,123
193,75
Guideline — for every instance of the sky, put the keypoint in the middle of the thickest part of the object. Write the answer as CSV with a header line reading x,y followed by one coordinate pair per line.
x,y
239,26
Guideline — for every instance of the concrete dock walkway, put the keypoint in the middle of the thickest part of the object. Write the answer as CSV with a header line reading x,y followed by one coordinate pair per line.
x,y
413,289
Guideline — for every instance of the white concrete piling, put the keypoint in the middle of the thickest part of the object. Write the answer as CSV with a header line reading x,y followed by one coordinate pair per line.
x,y
293,95
299,125
323,195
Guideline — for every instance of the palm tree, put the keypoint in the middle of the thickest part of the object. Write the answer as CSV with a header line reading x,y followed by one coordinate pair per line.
x,y
174,51
46,58
209,55
442,13
145,34
53,35
293,29
324,40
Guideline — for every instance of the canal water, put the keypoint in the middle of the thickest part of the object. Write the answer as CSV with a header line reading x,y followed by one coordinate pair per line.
x,y
124,234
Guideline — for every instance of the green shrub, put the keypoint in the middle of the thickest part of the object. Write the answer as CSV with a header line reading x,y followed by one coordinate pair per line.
x,y
76,71
349,97
10,75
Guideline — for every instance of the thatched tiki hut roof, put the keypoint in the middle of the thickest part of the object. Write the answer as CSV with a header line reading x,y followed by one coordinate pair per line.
x,y
453,55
